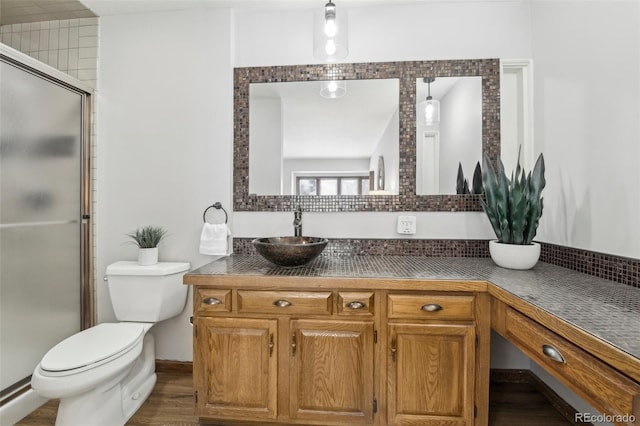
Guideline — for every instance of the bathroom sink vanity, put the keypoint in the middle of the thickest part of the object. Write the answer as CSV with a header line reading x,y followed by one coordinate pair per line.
x,y
382,341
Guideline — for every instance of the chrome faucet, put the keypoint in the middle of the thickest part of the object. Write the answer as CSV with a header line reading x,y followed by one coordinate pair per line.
x,y
297,222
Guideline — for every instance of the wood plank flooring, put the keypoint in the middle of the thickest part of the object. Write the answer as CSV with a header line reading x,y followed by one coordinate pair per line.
x,y
171,404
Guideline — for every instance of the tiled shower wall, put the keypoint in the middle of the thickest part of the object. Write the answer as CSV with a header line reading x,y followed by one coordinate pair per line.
x,y
70,46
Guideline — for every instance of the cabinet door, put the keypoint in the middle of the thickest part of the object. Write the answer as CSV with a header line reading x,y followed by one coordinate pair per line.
x,y
235,367
431,374
332,371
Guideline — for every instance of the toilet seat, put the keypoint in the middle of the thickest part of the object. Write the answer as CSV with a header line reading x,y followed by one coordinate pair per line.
x,y
91,348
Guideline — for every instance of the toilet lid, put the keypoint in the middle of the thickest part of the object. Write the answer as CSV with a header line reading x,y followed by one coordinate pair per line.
x,y
91,346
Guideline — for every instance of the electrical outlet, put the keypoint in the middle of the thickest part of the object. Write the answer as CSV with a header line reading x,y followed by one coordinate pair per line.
x,y
406,225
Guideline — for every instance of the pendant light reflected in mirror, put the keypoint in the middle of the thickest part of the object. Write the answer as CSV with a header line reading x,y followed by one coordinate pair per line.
x,y
429,109
330,41
333,89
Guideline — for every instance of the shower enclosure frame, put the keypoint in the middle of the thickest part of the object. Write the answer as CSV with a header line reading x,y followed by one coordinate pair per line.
x,y
87,295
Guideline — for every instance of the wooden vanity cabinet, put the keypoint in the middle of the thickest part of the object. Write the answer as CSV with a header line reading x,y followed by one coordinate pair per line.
x,y
235,367
332,371
284,356
339,357
431,359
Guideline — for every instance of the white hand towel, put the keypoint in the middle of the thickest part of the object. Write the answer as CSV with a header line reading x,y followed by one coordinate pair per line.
x,y
213,239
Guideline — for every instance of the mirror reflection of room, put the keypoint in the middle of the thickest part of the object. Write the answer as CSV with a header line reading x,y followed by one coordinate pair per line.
x,y
306,139
452,141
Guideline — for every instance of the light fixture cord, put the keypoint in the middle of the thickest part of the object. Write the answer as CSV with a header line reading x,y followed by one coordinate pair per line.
x,y
428,80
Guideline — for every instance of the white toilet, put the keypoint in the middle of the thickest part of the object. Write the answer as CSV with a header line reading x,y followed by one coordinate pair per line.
x,y
103,374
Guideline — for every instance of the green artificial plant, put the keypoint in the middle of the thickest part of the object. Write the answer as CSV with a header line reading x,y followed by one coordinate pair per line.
x,y
148,236
514,206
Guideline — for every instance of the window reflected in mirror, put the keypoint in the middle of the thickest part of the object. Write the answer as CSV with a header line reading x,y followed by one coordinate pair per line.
x,y
332,185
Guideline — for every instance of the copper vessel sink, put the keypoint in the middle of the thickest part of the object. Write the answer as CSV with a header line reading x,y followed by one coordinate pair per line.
x,y
290,251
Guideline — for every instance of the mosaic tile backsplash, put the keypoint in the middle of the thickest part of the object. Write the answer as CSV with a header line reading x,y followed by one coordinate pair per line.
x,y
614,268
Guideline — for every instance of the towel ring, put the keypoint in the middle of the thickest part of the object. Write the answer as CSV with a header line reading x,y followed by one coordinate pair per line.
x,y
218,206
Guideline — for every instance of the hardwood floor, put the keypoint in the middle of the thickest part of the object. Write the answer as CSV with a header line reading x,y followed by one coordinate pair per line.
x,y
171,404
523,405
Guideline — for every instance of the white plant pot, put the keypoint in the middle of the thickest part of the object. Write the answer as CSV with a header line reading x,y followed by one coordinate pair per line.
x,y
148,256
514,256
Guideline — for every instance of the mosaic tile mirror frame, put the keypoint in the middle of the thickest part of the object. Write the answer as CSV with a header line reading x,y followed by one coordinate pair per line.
x,y
407,73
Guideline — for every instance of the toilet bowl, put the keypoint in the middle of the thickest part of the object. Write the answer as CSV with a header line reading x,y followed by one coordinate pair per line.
x,y
103,374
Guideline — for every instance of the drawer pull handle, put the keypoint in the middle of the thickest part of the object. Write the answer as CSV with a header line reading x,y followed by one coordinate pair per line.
x,y
431,307
281,303
553,353
211,301
356,305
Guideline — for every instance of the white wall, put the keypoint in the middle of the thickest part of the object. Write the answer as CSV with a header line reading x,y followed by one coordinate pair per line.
x,y
587,122
165,101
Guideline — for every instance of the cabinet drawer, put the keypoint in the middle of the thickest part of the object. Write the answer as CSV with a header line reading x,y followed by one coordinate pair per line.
x,y
598,383
355,303
285,302
210,300
425,306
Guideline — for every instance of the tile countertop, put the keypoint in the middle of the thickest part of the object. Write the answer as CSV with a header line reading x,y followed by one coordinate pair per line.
x,y
605,309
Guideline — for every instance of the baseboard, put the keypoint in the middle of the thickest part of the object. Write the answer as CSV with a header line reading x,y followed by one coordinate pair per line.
x,y
168,366
527,376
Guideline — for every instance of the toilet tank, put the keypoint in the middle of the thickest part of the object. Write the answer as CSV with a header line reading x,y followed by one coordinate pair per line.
x,y
147,293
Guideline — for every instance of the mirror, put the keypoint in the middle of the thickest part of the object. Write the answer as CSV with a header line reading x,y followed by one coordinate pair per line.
x,y
407,74
455,141
303,142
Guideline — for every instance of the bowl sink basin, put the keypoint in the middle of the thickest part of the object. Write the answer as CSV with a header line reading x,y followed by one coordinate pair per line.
x,y
290,251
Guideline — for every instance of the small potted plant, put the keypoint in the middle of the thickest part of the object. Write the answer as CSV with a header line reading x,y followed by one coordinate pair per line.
x,y
147,239
514,207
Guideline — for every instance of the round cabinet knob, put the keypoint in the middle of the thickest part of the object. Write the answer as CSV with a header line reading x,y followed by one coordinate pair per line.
x,y
356,305
431,307
211,301
281,303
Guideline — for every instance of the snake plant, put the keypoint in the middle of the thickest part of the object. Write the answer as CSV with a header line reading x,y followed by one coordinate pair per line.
x,y
514,206
462,184
148,236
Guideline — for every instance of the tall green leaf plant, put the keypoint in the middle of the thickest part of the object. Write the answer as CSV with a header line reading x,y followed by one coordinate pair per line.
x,y
514,206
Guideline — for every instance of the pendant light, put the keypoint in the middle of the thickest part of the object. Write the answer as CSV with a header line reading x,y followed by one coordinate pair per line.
x,y
333,89
429,109
330,41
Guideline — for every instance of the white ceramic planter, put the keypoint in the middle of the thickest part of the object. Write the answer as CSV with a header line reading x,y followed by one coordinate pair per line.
x,y
514,256
148,256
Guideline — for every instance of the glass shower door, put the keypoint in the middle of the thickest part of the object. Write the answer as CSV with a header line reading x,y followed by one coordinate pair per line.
x,y
41,149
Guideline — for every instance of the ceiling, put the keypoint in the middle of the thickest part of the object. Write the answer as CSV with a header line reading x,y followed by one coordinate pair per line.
x,y
114,7
23,11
